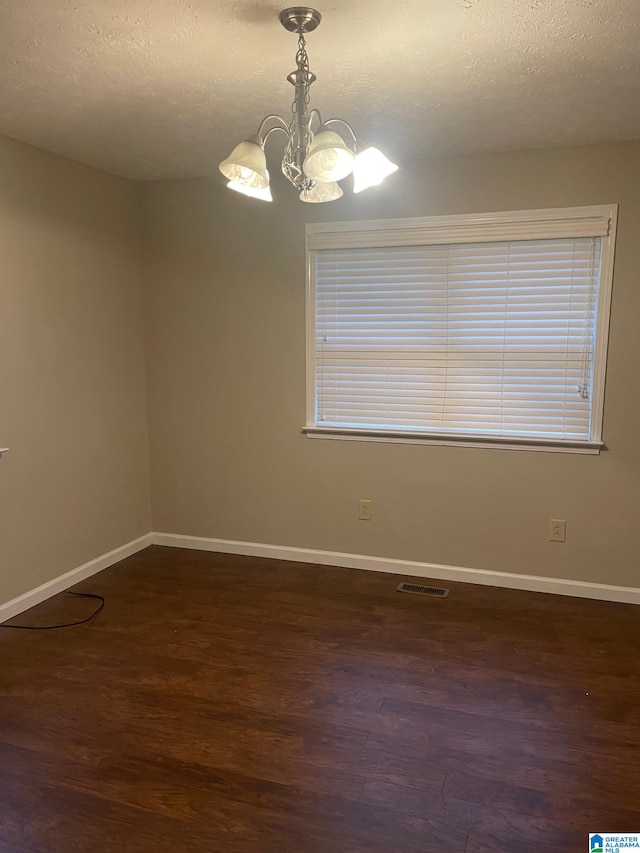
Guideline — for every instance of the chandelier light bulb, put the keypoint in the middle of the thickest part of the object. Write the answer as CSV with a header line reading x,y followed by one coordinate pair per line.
x,y
370,169
246,165
263,193
313,161
321,192
329,159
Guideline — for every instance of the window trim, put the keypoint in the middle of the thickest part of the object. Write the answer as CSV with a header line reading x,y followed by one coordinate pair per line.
x,y
548,223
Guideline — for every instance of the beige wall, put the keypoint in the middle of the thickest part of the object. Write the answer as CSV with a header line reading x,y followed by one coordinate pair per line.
x,y
72,386
226,350
224,281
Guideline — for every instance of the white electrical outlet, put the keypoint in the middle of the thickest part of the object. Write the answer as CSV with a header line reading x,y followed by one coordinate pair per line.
x,y
557,529
365,510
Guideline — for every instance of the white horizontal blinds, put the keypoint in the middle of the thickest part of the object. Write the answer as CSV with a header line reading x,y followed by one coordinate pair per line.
x,y
476,338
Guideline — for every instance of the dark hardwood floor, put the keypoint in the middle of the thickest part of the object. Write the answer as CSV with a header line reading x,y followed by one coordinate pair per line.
x,y
238,705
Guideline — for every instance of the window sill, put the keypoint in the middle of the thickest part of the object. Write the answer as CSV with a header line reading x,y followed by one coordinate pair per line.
x,y
3,450
548,445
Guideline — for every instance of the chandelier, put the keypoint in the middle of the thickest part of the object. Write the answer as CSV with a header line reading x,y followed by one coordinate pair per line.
x,y
314,160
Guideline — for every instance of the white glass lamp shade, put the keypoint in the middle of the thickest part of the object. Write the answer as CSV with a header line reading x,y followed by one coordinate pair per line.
x,y
246,165
321,192
263,193
328,159
370,169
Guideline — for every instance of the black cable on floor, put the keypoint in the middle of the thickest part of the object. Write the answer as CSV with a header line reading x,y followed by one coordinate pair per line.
x,y
66,624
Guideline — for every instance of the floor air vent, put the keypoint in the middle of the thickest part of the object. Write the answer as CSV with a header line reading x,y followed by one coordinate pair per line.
x,y
434,591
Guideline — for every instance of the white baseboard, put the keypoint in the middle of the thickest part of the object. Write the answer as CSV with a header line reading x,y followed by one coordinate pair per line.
x,y
62,582
534,583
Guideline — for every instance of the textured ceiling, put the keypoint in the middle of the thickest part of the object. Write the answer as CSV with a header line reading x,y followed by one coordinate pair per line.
x,y
165,88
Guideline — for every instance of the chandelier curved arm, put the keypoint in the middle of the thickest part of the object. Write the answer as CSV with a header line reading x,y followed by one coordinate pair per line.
x,y
345,124
317,114
284,124
284,130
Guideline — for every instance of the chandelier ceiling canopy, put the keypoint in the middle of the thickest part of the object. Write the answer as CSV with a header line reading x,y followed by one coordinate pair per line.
x,y
316,155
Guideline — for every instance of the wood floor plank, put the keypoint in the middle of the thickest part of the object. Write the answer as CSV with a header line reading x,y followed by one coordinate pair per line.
x,y
485,843
504,824
554,802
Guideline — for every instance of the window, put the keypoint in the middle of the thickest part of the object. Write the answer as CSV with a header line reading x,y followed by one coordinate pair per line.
x,y
488,329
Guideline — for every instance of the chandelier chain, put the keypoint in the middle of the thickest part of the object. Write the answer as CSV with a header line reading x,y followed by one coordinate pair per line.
x,y
302,60
299,128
